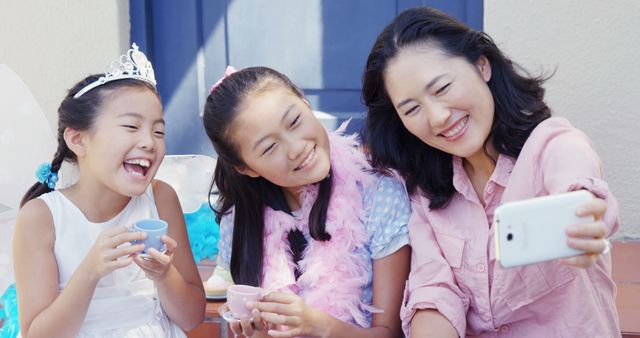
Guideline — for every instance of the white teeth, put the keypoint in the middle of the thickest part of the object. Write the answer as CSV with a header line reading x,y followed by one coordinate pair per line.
x,y
141,162
307,160
458,128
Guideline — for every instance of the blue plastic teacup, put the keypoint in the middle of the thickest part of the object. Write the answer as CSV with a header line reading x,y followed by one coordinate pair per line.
x,y
154,228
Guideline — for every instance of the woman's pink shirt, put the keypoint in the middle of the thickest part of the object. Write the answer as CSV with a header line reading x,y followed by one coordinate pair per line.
x,y
454,270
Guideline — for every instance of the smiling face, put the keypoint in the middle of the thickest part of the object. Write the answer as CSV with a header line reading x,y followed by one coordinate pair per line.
x,y
125,146
280,139
441,99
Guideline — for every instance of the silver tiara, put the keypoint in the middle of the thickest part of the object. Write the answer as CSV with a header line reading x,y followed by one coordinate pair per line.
x,y
132,65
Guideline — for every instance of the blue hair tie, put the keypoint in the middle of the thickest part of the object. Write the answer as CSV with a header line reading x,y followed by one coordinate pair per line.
x,y
45,176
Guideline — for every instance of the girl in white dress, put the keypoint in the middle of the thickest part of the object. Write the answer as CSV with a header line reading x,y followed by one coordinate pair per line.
x,y
77,275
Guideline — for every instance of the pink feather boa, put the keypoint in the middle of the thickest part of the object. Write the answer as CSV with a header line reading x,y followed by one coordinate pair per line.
x,y
333,273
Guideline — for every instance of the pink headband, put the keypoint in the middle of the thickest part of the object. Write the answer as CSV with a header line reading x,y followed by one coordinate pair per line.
x,y
230,70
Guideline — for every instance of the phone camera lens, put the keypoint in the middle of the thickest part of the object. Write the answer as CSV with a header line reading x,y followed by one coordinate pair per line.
x,y
509,237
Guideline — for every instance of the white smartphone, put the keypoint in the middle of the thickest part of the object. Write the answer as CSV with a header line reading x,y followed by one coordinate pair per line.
x,y
533,230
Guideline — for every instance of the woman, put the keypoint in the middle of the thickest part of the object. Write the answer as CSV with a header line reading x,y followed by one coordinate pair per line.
x,y
468,132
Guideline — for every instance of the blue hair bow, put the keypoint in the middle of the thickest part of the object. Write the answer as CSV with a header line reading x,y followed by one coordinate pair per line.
x,y
45,176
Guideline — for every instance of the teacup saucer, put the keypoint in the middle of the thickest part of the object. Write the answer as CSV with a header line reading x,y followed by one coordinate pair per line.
x,y
230,317
147,256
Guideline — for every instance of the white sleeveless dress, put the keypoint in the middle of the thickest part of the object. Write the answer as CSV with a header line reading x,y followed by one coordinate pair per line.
x,y
124,303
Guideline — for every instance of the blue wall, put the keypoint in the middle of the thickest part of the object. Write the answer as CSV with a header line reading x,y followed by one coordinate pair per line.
x,y
321,45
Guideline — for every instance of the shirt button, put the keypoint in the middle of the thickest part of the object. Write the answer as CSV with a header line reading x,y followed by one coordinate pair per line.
x,y
480,267
504,328
490,188
486,316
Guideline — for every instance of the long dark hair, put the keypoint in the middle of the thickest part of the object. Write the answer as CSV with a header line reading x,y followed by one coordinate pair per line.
x,y
249,195
79,114
518,99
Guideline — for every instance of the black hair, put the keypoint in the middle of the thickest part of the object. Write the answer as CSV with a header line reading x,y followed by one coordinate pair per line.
x,y
248,195
518,99
79,114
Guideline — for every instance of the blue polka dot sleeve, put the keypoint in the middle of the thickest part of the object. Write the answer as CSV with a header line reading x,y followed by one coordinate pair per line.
x,y
389,214
224,244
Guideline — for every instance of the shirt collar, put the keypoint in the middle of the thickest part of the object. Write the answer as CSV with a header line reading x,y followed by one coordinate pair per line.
x,y
502,172
500,176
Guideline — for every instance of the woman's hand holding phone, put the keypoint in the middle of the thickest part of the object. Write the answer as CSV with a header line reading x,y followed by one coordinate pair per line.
x,y
565,226
589,237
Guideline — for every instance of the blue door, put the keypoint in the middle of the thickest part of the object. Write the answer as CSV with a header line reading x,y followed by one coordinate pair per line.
x,y
321,45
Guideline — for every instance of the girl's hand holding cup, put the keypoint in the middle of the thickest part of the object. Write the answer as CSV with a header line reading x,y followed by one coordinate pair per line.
x,y
289,316
238,312
108,253
156,264
247,325
157,256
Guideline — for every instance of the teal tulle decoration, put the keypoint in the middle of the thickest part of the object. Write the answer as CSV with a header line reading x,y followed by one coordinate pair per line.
x,y
9,325
45,176
204,233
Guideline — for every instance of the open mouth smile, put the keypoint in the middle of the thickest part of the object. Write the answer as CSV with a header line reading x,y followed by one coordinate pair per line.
x,y
137,167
